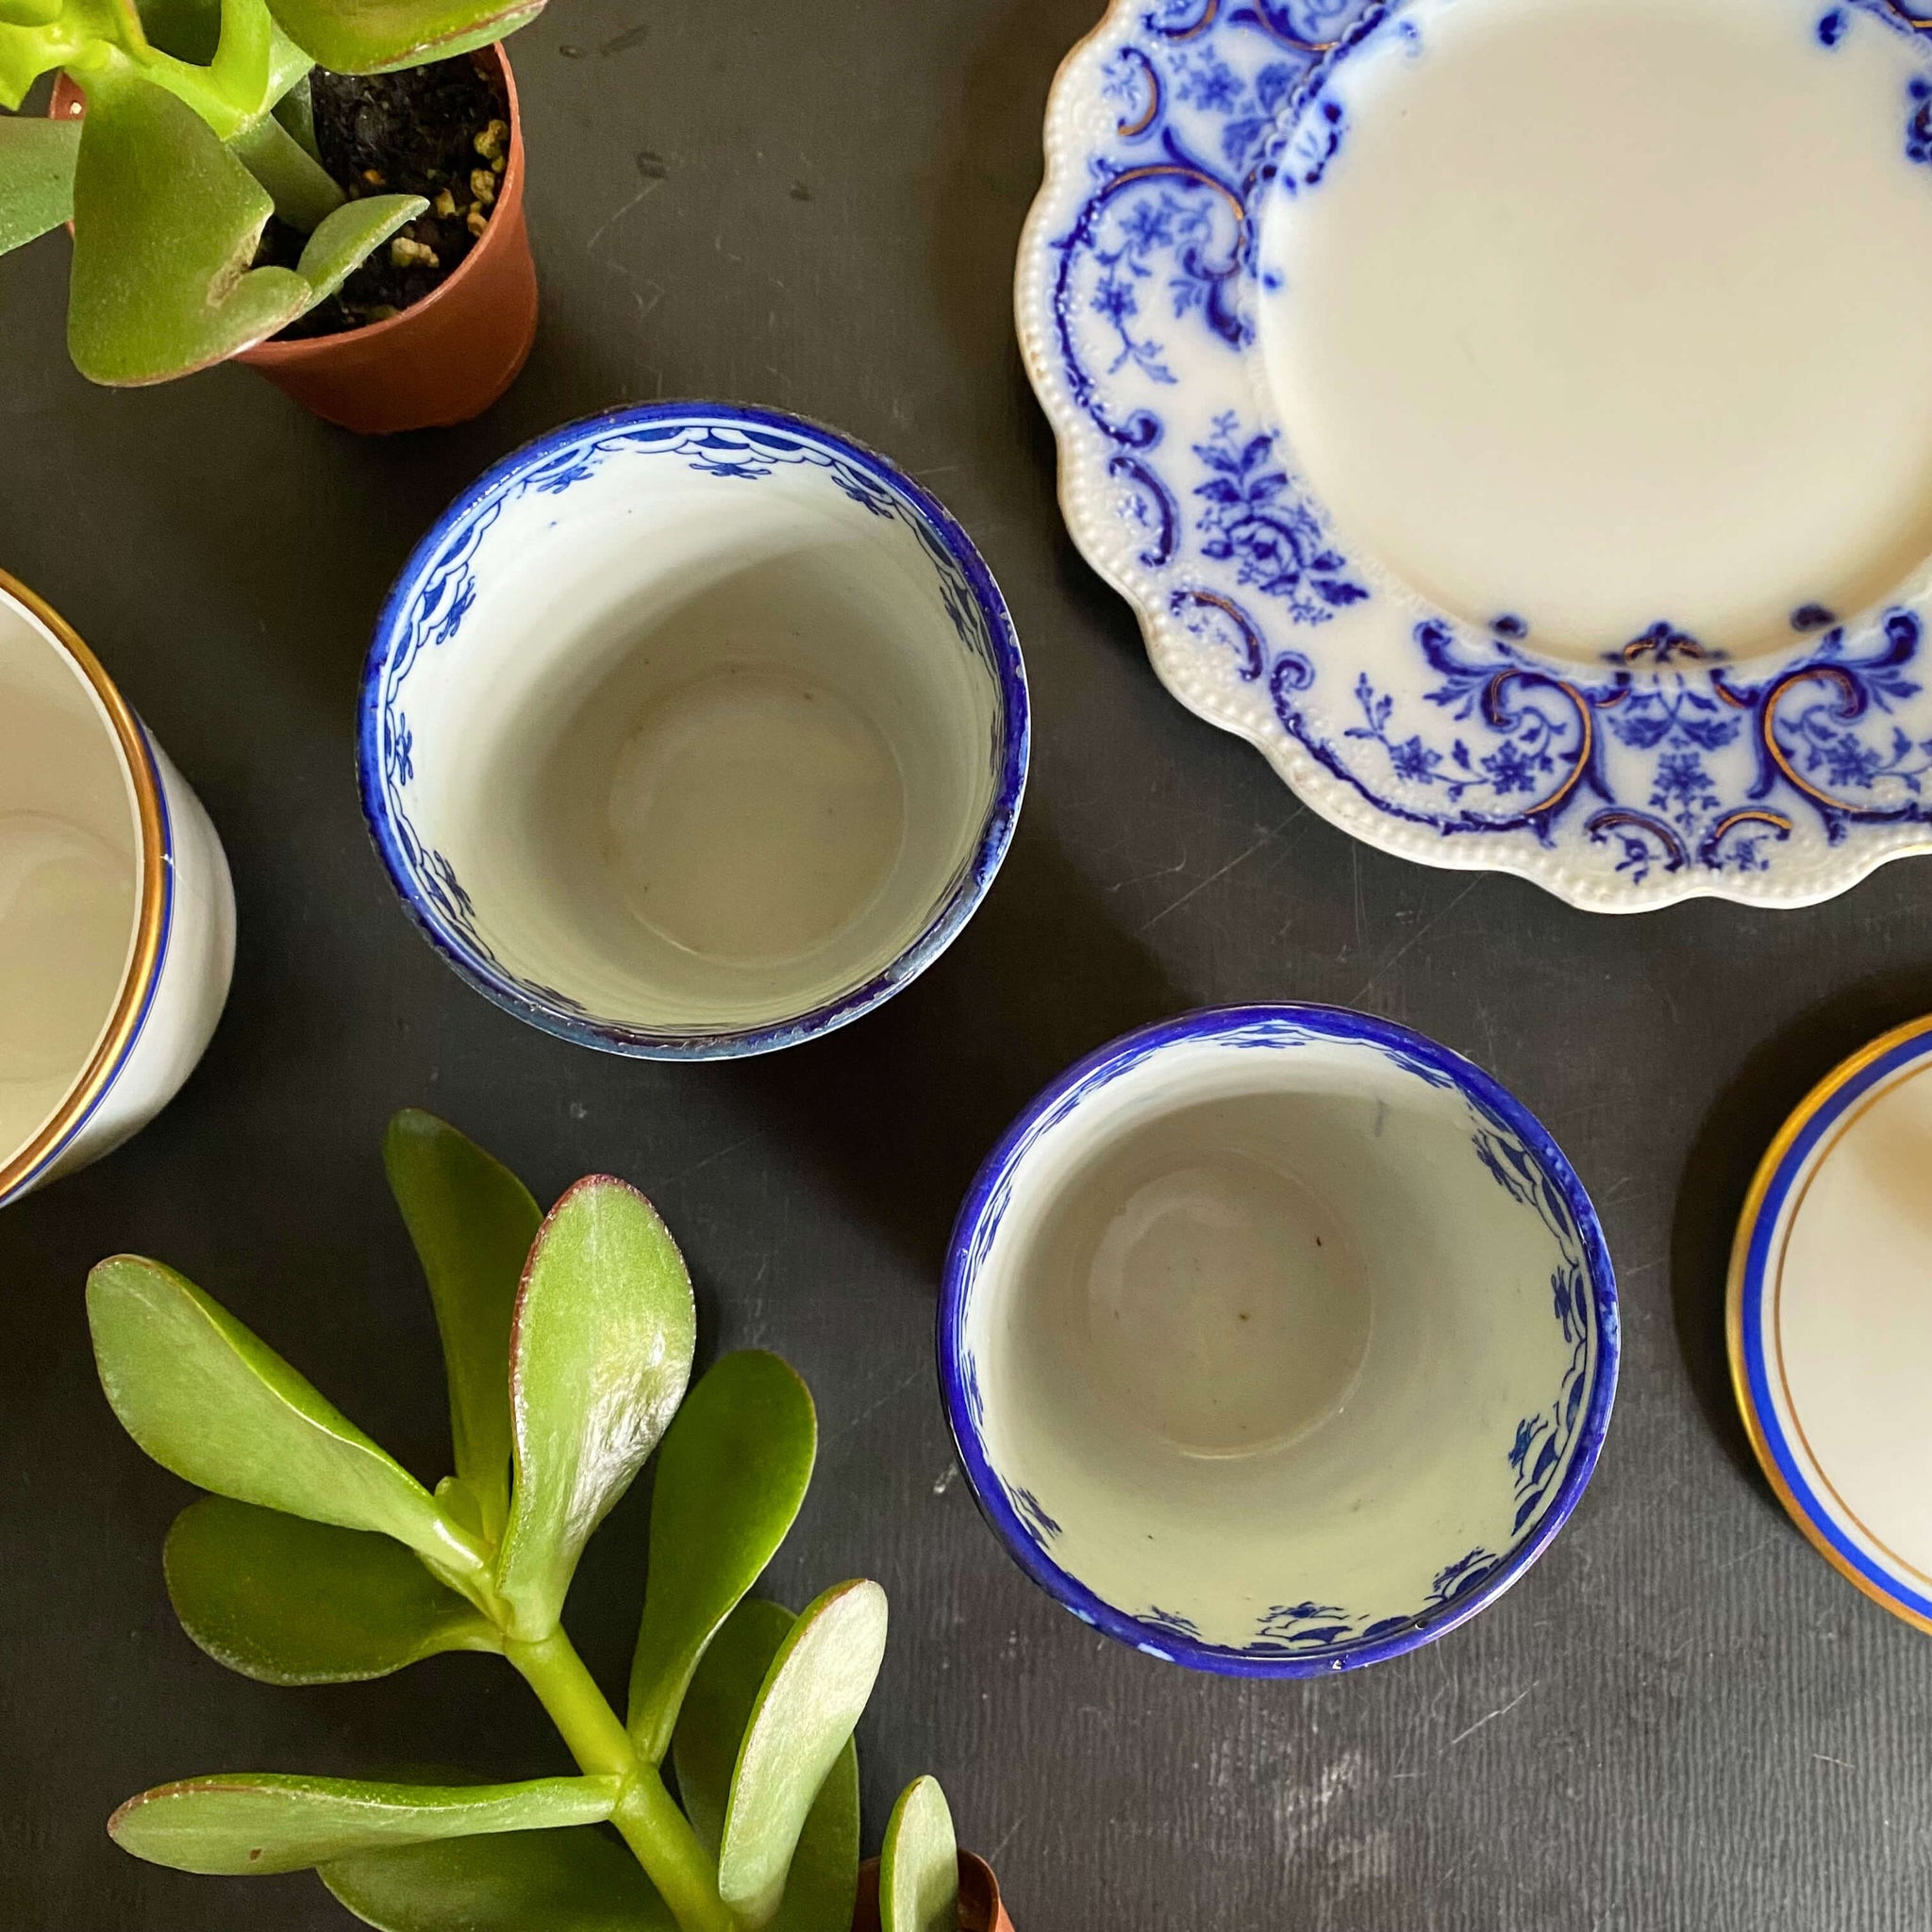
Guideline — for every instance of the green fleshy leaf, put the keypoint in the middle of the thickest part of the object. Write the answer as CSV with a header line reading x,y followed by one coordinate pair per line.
x,y
26,53
807,1709
250,1823
288,67
303,192
165,222
575,1880
290,1602
823,1882
188,30
295,111
600,1353
472,1221
919,1864
36,162
209,1401
731,1475
372,36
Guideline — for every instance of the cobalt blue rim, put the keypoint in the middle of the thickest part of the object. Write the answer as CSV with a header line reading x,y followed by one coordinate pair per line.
x,y
1785,1166
949,918
1336,1023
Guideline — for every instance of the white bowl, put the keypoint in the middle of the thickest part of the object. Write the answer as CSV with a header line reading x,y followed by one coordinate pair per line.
x,y
117,918
1277,1340
1831,1319
693,730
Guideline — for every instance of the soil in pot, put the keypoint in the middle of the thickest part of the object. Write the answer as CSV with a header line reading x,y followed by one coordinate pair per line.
x,y
441,131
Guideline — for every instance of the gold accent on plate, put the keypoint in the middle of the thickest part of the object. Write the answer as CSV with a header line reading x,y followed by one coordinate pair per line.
x,y
1130,129
1493,701
1734,1312
1767,729
1258,13
1158,171
145,959
1749,815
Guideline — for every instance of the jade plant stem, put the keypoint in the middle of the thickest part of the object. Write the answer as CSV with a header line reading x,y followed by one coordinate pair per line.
x,y
684,1873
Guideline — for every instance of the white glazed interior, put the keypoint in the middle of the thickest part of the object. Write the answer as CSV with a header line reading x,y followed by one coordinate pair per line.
x,y
1849,1324
705,752
70,875
1258,1329
1536,342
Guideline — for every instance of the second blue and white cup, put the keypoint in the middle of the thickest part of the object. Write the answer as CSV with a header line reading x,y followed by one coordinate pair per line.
x,y
1277,1340
692,731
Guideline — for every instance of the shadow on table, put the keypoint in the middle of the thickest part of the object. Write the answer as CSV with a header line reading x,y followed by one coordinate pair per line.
x,y
899,1109
986,170
1730,1143
974,198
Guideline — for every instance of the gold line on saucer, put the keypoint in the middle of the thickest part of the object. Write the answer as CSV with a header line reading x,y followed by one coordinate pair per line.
x,y
132,999
1734,1313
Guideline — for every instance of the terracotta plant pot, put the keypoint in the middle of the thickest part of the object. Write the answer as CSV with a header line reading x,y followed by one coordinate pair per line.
x,y
981,1908
444,359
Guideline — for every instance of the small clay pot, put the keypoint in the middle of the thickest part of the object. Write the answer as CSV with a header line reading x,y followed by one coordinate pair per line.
x,y
442,359
981,1909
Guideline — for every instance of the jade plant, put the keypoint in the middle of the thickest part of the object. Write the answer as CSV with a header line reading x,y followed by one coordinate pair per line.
x,y
568,1342
197,128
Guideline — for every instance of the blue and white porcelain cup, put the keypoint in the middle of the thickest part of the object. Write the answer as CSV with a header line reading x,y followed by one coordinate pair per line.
x,y
117,918
1277,1340
693,730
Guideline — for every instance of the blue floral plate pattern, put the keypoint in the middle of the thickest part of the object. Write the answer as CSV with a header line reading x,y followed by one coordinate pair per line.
x,y
1662,773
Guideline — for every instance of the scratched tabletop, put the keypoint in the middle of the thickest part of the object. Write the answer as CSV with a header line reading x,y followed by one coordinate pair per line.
x,y
1680,1719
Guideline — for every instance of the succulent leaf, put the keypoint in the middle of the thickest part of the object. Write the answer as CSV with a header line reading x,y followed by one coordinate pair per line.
x,y
340,245
288,1602
261,1823
30,13
472,1221
919,1864
375,36
574,1880
822,1881
165,222
209,1401
812,1700
303,192
37,163
600,1353
27,52
731,1475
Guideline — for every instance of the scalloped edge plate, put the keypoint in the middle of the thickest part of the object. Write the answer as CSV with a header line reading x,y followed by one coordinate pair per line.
x,y
1663,773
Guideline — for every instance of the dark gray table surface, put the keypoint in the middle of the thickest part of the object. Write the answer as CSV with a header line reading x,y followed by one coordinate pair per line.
x,y
1681,1719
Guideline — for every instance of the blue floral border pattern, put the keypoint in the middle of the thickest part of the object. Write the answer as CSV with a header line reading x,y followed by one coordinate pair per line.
x,y
1539,1449
447,593
1662,771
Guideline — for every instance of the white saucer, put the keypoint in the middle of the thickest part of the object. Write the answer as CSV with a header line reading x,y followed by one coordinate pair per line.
x,y
1831,1319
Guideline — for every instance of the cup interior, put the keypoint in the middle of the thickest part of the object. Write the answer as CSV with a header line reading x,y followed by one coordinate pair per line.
x,y
715,736
1276,1339
69,876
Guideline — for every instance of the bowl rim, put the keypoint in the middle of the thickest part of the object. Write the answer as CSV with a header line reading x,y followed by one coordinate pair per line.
x,y
1012,727
154,916
1813,1123
1214,1023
